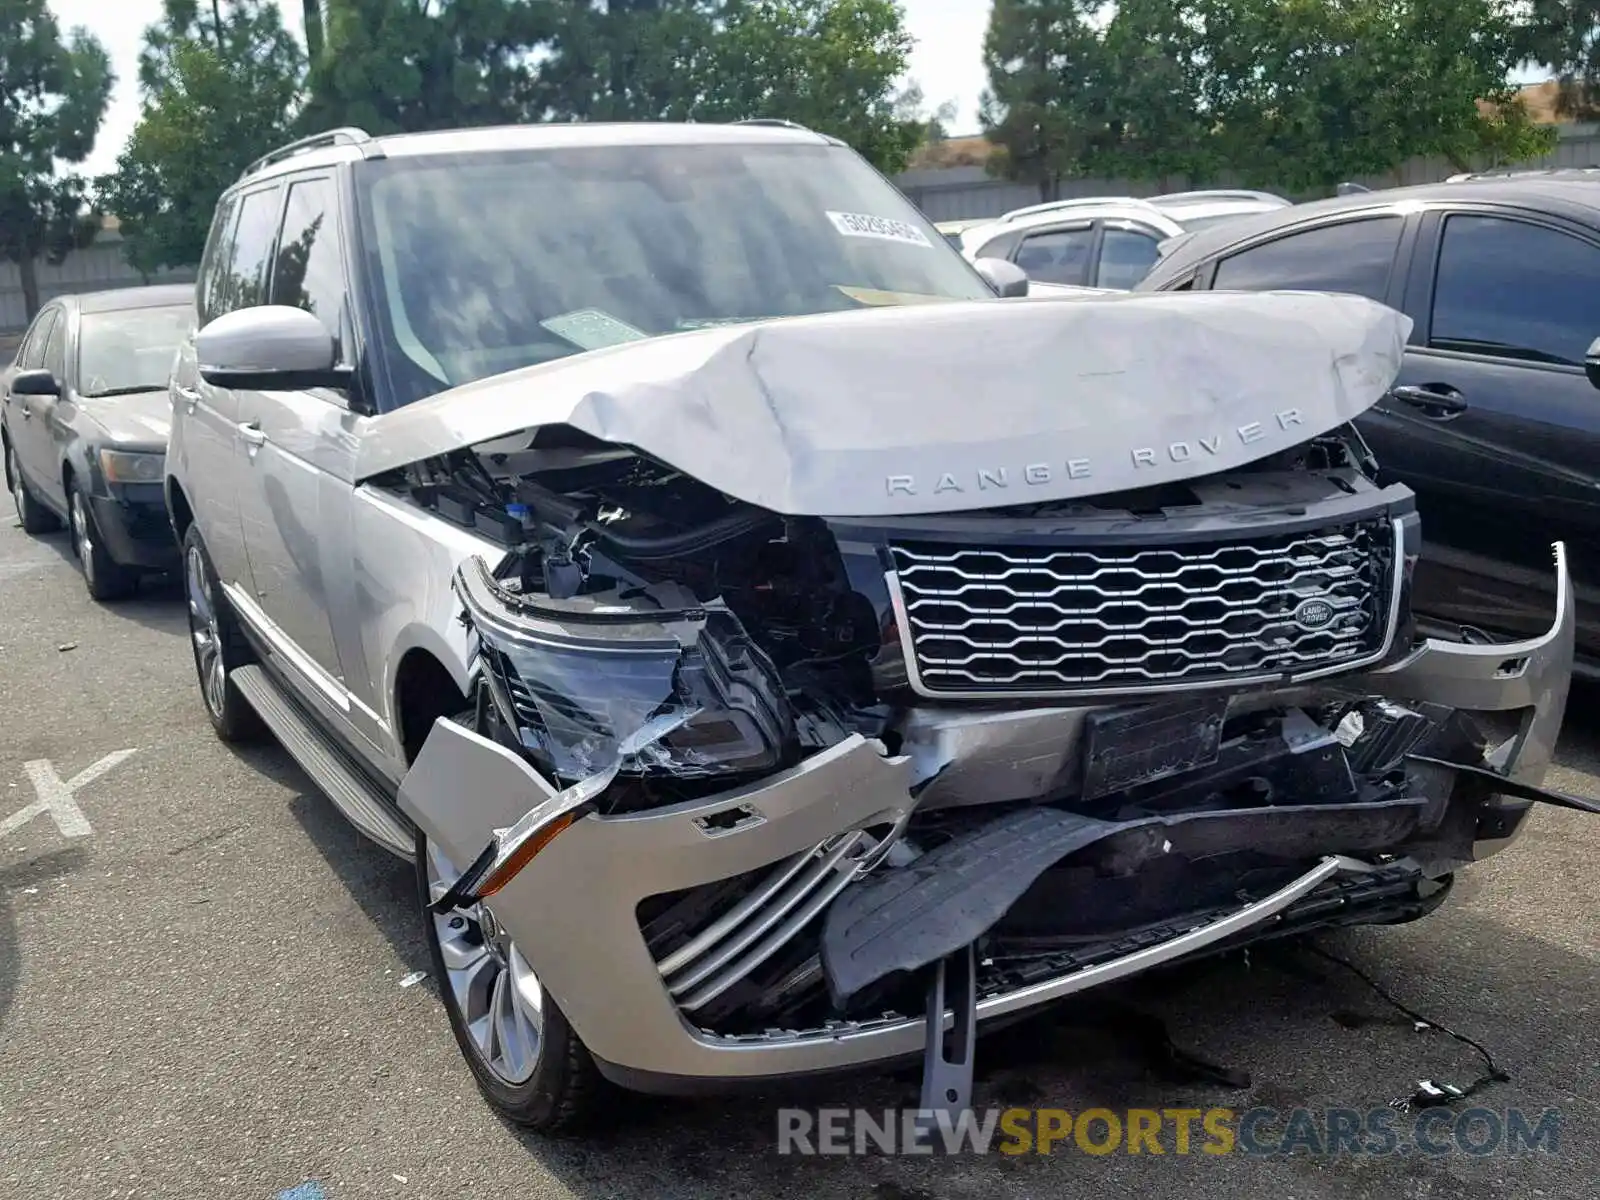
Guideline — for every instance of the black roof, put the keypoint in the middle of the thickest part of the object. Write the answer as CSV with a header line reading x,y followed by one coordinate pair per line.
x,y
1574,194
159,295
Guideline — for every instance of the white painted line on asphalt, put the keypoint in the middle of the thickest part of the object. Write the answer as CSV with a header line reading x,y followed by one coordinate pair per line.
x,y
59,798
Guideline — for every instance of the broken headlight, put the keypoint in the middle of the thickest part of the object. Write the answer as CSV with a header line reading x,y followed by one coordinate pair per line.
x,y
576,678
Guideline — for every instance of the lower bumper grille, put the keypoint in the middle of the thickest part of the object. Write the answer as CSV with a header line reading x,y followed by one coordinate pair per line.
x,y
1051,620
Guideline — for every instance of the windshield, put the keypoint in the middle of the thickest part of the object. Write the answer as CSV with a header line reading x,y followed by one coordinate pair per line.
x,y
130,350
484,263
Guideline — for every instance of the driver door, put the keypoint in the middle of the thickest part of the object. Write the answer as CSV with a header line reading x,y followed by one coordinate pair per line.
x,y
21,411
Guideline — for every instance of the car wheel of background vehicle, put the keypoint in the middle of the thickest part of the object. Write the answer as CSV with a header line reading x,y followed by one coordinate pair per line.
x,y
105,578
35,517
523,1053
219,645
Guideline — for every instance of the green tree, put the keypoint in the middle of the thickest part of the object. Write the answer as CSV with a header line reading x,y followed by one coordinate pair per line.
x,y
1046,110
627,60
220,84
1306,93
1564,35
54,88
393,66
1155,63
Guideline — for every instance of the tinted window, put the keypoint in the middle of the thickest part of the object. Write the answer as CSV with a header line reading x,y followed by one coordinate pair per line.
x,y
131,350
244,282
30,355
486,262
1516,290
1353,257
1126,257
308,272
210,286
1058,257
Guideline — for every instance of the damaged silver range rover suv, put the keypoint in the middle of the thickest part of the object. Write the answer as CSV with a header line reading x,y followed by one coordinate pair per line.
x,y
780,654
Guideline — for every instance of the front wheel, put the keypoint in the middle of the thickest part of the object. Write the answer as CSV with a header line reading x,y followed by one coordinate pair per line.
x,y
104,576
523,1053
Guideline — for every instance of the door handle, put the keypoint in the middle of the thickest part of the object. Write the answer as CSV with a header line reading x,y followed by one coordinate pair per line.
x,y
252,434
27,412
189,396
1437,400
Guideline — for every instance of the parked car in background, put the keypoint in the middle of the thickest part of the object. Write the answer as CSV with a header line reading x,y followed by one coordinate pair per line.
x,y
84,417
1103,241
707,677
1495,419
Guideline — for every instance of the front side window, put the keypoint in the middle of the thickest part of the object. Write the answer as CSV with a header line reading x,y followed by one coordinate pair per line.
x,y
308,271
1515,290
55,348
483,263
1060,256
120,353
1126,257
1353,257
244,284
211,282
30,356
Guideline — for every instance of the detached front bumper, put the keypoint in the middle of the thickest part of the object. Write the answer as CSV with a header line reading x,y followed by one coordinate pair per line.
x,y
815,831
134,527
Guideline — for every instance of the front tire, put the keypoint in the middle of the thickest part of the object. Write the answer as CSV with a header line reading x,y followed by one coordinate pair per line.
x,y
527,1061
219,646
104,576
35,517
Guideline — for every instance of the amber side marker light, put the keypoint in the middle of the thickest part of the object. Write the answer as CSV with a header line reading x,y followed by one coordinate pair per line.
x,y
520,855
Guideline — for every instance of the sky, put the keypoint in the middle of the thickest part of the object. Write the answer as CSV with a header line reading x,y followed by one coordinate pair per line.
x,y
947,60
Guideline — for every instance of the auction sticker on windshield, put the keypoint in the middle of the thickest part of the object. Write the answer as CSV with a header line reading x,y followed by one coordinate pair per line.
x,y
591,329
885,229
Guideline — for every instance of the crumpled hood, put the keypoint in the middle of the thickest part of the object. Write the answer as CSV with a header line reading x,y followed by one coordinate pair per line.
x,y
948,407
142,419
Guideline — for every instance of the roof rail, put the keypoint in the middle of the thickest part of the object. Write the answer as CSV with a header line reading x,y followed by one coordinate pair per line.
x,y
347,135
1217,194
1075,202
778,121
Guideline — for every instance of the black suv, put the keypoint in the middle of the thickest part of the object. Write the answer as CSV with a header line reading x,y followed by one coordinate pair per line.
x,y
1495,420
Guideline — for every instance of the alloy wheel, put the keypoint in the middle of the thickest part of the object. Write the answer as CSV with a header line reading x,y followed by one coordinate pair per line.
x,y
499,997
205,632
82,538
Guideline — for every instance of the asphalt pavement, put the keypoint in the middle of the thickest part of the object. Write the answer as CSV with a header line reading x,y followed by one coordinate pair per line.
x,y
203,993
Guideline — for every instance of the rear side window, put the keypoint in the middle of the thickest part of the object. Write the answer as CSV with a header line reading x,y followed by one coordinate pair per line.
x,y
209,288
244,280
308,271
1353,257
1061,256
1514,290
1126,257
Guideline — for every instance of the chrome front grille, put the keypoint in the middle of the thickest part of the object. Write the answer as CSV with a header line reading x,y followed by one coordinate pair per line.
x,y
1052,620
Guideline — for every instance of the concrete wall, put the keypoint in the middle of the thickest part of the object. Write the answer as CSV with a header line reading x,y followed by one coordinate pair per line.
x,y
93,269
954,193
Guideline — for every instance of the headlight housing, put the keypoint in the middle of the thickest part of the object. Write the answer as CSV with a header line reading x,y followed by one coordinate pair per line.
x,y
578,678
132,466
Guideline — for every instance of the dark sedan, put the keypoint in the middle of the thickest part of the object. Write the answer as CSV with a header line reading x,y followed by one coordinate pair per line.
x,y
84,415
1495,419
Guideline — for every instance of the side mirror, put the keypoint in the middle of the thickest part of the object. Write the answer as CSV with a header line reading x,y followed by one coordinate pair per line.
x,y
1591,363
35,383
270,348
1006,278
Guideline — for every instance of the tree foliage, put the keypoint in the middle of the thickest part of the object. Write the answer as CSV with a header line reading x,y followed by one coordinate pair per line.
x,y
1046,107
54,88
221,82
1292,94
1565,36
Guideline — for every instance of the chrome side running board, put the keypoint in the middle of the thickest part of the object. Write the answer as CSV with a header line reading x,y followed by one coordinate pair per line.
x,y
360,802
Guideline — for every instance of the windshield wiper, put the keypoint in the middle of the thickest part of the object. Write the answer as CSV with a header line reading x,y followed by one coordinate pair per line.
x,y
129,390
